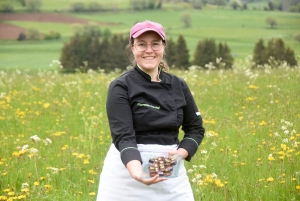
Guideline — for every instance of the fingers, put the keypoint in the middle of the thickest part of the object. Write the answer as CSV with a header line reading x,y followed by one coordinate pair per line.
x,y
152,180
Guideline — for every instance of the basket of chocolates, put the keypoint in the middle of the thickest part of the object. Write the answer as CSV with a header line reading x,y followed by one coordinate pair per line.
x,y
163,166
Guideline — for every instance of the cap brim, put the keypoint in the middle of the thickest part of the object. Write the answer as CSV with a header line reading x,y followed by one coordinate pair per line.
x,y
140,32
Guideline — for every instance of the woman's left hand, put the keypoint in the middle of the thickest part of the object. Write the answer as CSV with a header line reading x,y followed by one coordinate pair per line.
x,y
179,151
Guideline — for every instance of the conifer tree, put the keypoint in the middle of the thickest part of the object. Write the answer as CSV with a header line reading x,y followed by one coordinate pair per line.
x,y
224,53
205,53
182,53
289,56
259,53
171,52
106,55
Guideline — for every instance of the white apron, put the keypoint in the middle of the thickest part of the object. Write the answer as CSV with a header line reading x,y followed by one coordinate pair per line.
x,y
116,184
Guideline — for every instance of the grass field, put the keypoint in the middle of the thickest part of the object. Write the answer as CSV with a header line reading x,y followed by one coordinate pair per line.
x,y
54,134
239,29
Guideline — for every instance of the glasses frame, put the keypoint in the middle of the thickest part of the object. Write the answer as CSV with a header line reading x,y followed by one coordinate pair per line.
x,y
162,45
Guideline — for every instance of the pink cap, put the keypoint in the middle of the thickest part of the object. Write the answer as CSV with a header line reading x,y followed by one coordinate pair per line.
x,y
142,27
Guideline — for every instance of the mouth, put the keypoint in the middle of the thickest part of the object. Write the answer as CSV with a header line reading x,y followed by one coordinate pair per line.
x,y
149,58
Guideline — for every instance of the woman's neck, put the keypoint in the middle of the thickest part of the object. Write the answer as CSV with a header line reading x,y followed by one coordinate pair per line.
x,y
153,74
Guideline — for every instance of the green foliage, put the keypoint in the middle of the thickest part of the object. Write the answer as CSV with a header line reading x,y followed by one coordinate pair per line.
x,y
275,51
77,7
197,4
208,52
182,53
170,52
52,35
34,5
33,34
22,36
271,21
297,38
235,4
84,51
6,7
186,20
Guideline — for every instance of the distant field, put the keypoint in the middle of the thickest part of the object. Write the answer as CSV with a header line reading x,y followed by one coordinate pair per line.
x,y
239,29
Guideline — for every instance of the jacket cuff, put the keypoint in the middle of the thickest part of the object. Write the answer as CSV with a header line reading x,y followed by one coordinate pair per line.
x,y
129,155
190,146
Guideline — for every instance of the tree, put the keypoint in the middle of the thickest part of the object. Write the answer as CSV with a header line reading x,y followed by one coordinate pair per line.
x,y
197,4
289,56
259,53
206,52
182,53
6,7
225,53
34,5
170,52
235,4
186,19
271,21
297,38
275,49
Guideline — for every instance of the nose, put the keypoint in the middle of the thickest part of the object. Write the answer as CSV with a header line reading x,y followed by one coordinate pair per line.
x,y
149,48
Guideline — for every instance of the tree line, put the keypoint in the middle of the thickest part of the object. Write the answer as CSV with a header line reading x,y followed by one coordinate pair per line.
x,y
89,48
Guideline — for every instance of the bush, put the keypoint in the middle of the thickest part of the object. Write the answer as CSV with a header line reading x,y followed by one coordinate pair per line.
x,y
77,7
34,5
33,34
22,36
52,35
95,7
6,7
271,21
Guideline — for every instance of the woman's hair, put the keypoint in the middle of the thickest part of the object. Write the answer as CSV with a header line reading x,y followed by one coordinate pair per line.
x,y
128,52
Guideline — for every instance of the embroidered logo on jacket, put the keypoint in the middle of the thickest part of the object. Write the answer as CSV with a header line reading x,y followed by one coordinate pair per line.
x,y
147,105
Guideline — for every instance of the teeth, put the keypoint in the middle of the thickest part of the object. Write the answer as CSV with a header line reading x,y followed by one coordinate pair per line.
x,y
148,57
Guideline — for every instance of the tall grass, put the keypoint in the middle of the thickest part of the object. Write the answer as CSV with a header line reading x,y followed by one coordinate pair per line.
x,y
54,134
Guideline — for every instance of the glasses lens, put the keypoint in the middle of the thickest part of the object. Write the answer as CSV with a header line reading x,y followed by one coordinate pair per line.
x,y
143,46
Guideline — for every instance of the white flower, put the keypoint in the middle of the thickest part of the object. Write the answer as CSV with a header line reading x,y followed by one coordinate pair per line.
x,y
285,140
286,132
25,185
202,166
33,150
25,147
203,151
214,175
35,138
214,144
47,141
194,180
190,170
54,170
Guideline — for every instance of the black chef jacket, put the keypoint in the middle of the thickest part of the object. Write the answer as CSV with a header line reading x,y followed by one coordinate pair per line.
x,y
144,112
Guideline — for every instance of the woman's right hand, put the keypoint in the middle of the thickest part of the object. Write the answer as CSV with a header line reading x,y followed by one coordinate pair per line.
x,y
136,171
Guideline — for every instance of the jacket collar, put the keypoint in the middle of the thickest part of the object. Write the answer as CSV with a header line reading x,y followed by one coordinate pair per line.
x,y
146,75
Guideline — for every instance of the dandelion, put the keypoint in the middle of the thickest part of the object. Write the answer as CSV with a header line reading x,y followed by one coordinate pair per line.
x,y
271,158
36,183
46,105
298,187
91,181
92,194
270,179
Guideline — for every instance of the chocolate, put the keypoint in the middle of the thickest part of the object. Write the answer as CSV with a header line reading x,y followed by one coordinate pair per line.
x,y
162,166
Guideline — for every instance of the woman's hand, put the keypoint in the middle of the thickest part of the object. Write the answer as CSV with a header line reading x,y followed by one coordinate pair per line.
x,y
179,151
136,171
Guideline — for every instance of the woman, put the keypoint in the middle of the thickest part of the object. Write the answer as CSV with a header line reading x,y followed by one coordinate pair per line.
x,y
146,107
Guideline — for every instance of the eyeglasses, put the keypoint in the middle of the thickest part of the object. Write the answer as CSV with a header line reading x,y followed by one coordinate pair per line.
x,y
142,46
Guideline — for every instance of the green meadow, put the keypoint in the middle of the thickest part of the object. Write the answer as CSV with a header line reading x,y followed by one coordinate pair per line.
x,y
54,134
239,29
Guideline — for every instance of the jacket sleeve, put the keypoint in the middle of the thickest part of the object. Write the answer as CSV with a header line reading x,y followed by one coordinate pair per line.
x,y
192,125
120,121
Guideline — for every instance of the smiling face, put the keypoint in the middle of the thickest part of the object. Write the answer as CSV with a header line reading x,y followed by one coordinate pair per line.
x,y
149,59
